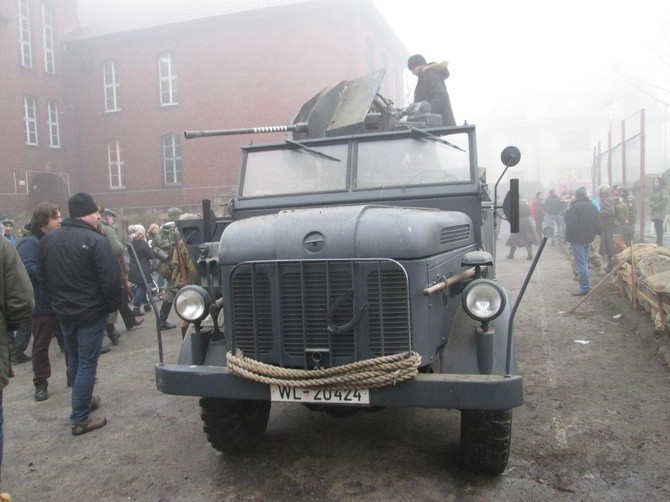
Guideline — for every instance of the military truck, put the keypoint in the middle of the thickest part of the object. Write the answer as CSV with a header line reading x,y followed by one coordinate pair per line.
x,y
355,271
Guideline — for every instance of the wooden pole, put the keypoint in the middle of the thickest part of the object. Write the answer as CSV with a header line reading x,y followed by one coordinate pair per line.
x,y
614,270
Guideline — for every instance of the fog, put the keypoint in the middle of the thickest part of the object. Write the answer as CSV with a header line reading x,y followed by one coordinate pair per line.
x,y
498,50
515,59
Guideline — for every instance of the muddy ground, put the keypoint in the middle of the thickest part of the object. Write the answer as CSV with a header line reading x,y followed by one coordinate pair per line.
x,y
595,423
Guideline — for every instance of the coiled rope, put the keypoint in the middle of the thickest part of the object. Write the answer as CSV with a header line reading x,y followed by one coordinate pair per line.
x,y
367,374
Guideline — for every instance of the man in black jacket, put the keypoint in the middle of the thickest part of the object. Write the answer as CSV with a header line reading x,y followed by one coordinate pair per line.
x,y
582,224
78,269
430,86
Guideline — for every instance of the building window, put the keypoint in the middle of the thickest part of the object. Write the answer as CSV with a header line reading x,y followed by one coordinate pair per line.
x,y
574,140
52,122
48,38
110,77
168,80
171,159
116,179
24,35
30,120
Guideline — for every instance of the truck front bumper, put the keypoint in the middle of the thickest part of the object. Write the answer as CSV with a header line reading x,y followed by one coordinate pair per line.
x,y
462,392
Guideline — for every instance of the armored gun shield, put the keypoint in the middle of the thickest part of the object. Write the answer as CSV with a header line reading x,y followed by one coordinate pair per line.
x,y
340,110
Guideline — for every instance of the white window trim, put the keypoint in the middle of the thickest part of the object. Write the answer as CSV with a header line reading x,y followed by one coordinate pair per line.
x,y
115,164
111,86
168,81
173,160
30,120
52,122
48,38
24,34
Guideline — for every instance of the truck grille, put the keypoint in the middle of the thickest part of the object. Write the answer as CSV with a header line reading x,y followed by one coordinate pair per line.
x,y
282,310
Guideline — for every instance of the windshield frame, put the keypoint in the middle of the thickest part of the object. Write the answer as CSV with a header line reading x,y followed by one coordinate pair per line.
x,y
352,194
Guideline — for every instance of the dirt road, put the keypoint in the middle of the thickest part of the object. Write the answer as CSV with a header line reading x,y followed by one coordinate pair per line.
x,y
595,424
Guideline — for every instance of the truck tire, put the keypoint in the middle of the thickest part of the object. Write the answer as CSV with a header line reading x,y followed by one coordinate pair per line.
x,y
234,425
485,440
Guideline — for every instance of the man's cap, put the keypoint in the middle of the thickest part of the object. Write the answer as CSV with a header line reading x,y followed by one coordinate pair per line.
x,y
173,213
415,60
7,221
81,204
580,193
107,212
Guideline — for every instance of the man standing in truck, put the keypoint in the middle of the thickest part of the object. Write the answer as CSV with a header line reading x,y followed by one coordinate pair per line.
x,y
430,86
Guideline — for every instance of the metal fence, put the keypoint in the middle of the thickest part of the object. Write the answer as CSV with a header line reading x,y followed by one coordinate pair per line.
x,y
624,162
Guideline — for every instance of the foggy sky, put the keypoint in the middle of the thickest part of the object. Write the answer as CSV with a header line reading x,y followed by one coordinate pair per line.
x,y
498,49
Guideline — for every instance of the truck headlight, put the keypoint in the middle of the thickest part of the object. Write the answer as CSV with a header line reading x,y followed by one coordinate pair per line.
x,y
483,300
192,303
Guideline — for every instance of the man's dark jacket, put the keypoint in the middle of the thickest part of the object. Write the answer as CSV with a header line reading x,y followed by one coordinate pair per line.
x,y
144,255
553,205
28,248
582,223
430,87
80,273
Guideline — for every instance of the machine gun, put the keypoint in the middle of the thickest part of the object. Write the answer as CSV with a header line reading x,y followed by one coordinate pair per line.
x,y
351,107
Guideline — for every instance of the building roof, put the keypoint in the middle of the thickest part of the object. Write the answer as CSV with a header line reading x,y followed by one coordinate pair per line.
x,y
102,17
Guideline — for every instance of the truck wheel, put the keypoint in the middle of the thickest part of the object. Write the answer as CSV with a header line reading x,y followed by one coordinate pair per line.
x,y
234,425
485,440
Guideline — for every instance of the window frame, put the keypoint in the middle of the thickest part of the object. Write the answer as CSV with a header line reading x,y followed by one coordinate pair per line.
x,y
25,43
53,124
48,38
115,165
171,164
30,120
167,80
111,86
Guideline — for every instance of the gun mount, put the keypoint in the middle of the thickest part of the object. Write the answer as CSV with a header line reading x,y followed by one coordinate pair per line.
x,y
351,107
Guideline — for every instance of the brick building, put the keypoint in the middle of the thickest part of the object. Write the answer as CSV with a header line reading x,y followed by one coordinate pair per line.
x,y
127,84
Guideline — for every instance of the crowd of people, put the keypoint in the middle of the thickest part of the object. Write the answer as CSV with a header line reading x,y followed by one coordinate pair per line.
x,y
596,228
69,278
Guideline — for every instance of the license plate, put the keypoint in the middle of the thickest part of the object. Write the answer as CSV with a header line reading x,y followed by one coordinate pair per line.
x,y
320,396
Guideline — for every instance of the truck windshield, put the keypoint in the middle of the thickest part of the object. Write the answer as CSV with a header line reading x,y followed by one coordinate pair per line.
x,y
413,162
379,163
290,171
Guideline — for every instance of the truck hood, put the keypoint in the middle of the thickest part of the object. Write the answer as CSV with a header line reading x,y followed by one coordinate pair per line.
x,y
362,231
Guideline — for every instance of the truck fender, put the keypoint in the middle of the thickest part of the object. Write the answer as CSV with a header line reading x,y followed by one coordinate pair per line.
x,y
194,347
459,354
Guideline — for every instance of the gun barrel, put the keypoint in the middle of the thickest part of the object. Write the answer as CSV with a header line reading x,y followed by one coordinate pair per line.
x,y
299,127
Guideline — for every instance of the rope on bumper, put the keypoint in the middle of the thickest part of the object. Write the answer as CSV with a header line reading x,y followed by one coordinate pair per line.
x,y
367,374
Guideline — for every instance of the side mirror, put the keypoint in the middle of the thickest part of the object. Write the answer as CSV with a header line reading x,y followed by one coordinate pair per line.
x,y
510,156
511,205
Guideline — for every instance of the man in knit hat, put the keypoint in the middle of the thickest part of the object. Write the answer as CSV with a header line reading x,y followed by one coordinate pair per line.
x,y
77,268
430,86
